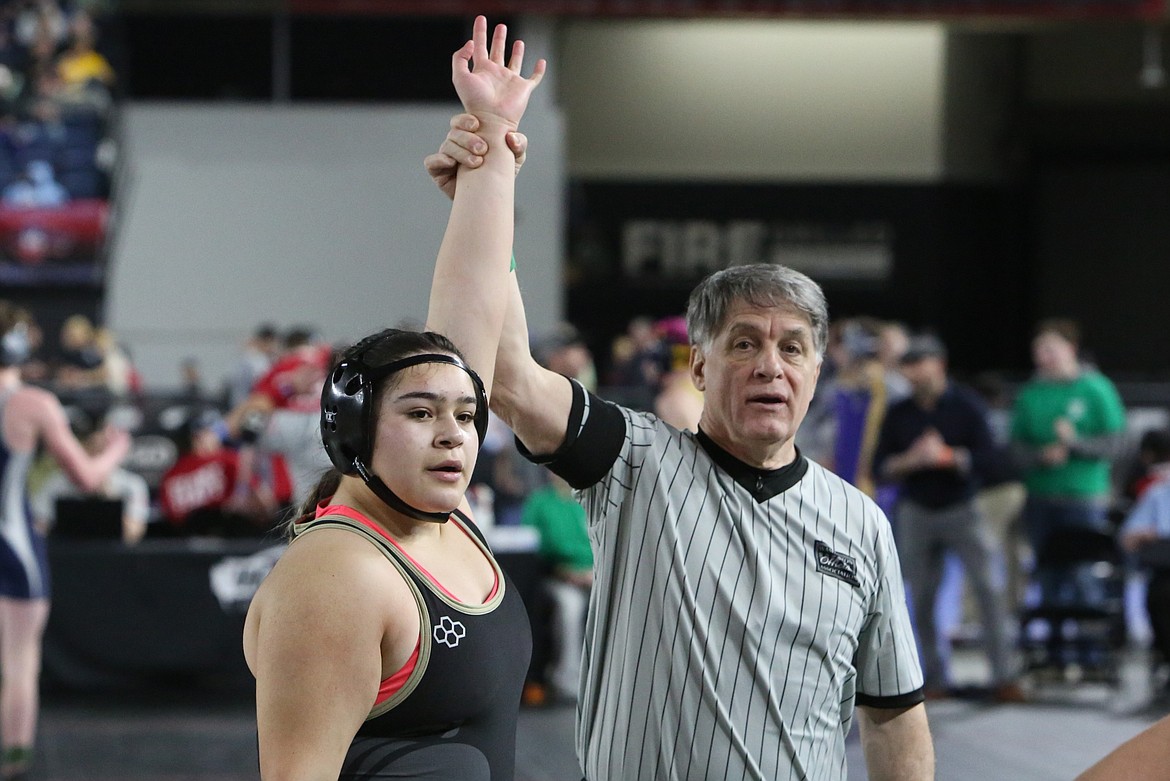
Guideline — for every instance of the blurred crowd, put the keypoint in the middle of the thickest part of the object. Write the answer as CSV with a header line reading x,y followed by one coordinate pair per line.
x,y
1005,496
56,94
1018,506
225,461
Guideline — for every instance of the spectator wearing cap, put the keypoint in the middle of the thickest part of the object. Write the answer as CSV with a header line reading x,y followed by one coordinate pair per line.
x,y
937,444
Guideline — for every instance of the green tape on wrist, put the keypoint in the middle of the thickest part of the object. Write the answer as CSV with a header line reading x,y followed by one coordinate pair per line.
x,y
513,266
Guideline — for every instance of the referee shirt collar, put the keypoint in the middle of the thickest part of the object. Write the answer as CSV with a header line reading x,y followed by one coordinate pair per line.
x,y
762,484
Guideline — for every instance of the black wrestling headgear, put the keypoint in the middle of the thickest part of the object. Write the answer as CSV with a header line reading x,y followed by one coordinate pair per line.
x,y
348,419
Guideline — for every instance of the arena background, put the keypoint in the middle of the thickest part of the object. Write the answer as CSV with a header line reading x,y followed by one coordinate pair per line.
x,y
966,166
969,167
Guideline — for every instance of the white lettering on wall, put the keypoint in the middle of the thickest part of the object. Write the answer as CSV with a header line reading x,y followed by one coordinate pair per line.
x,y
692,248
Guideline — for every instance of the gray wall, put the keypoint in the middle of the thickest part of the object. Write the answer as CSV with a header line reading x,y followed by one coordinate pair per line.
x,y
753,100
233,214
321,215
236,214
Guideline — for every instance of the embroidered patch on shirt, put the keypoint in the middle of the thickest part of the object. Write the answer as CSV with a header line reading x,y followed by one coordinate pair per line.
x,y
836,564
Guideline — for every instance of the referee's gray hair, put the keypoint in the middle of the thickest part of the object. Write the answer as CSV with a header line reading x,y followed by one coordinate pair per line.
x,y
759,284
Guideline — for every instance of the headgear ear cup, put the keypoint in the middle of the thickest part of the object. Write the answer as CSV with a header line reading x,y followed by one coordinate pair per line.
x,y
14,346
345,402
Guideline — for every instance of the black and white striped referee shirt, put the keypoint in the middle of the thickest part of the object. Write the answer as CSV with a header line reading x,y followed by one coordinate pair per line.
x,y
737,615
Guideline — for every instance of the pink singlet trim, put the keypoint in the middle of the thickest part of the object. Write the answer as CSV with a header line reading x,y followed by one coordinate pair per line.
x,y
391,685
395,682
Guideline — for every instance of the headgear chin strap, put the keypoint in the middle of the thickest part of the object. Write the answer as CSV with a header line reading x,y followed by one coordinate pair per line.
x,y
348,420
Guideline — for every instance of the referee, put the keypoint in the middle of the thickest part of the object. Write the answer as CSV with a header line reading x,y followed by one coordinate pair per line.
x,y
746,602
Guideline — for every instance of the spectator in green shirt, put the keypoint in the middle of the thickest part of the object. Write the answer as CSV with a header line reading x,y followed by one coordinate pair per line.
x,y
564,544
1067,427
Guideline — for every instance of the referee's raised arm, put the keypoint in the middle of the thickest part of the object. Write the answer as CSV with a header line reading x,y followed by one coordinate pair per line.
x,y
533,401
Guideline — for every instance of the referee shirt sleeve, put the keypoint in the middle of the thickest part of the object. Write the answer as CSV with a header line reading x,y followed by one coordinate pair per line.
x,y
594,436
888,671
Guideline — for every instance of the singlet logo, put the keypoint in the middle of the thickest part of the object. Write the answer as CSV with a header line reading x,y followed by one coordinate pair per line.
x,y
836,564
449,632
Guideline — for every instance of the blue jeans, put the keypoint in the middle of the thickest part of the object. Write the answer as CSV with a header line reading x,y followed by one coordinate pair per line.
x,y
1045,518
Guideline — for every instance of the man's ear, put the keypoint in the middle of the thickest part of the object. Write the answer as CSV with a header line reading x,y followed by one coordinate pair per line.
x,y
698,366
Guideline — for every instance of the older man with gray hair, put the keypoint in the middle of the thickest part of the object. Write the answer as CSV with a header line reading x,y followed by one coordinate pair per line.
x,y
745,599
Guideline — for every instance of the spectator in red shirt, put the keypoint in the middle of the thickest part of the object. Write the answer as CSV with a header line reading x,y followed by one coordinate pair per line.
x,y
205,492
294,381
281,417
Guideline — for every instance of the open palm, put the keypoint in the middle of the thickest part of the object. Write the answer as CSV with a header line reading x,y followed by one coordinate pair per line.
x,y
485,83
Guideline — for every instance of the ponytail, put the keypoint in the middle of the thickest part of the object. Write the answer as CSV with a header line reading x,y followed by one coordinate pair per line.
x,y
326,486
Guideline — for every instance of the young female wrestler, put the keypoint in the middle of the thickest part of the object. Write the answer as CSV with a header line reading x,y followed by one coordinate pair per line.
x,y
387,641
30,417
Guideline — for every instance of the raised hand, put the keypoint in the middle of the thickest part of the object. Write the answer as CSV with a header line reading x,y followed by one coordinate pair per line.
x,y
462,148
488,87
